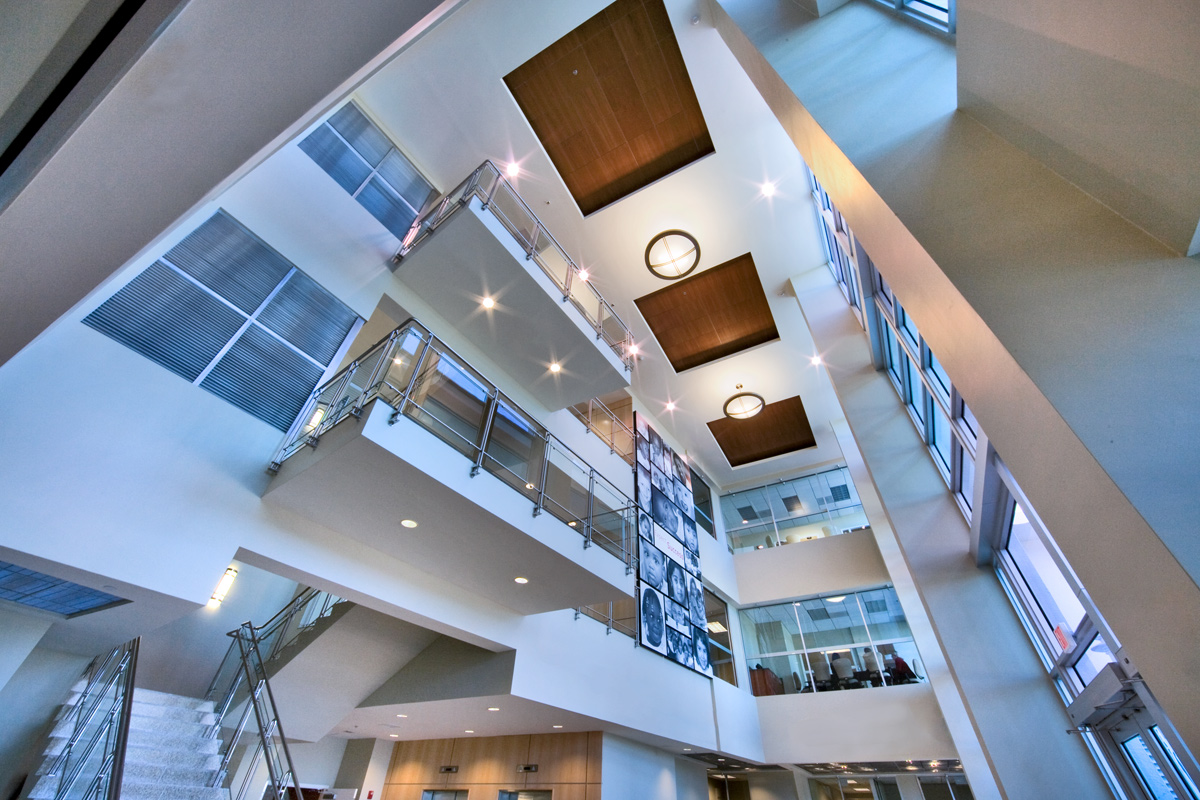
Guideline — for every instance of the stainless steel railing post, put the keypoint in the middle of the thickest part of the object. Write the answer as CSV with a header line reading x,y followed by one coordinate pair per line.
x,y
493,400
587,528
541,488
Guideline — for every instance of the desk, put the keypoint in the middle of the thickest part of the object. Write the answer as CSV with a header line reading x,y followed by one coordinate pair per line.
x,y
764,682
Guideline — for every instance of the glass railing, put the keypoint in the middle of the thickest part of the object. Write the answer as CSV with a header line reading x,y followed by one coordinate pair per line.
x,y
499,197
795,510
600,420
422,379
855,640
619,615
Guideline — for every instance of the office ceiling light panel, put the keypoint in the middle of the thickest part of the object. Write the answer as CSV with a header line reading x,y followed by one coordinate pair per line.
x,y
708,316
612,103
781,427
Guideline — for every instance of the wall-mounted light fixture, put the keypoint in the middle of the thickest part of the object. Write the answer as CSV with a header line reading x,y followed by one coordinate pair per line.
x,y
218,595
672,254
743,405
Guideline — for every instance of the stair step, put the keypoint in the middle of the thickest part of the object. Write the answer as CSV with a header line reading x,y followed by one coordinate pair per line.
x,y
179,713
179,759
167,726
151,697
137,790
170,773
168,741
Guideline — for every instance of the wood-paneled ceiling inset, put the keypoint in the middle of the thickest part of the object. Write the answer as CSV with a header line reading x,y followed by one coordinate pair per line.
x,y
612,103
716,313
781,427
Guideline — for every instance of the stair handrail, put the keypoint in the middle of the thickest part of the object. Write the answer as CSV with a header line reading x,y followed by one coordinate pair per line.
x,y
114,674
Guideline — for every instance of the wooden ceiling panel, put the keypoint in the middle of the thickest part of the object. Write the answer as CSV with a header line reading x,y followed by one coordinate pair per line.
x,y
714,314
612,103
779,428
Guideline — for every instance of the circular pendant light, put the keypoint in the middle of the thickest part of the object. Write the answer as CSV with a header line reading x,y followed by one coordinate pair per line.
x,y
743,405
672,254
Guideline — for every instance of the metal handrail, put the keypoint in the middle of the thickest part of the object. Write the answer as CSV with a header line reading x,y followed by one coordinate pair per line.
x,y
114,674
629,455
389,366
484,183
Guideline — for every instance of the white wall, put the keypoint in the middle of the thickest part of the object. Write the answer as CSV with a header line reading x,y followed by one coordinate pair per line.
x,y
23,629
316,766
630,769
1110,101
183,656
691,780
830,564
893,723
772,786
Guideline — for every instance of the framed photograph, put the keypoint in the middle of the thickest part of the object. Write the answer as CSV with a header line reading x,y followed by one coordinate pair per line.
x,y
651,620
700,651
639,422
661,481
667,460
643,451
683,499
679,647
652,566
678,617
645,526
696,603
671,547
691,562
644,498
666,515
676,586
682,472
656,448
687,528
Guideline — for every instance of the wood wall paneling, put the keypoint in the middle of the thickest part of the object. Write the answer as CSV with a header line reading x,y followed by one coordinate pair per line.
x,y
595,744
612,103
419,761
561,758
489,759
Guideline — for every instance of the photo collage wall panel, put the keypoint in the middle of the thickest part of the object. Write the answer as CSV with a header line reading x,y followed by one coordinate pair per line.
x,y
671,618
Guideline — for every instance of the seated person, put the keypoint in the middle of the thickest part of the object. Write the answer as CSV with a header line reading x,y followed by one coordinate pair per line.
x,y
902,673
822,676
844,669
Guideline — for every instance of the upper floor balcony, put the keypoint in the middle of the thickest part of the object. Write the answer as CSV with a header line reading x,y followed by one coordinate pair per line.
x,y
482,259
412,451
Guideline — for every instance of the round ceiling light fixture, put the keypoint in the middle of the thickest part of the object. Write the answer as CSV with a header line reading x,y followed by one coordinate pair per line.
x,y
672,254
744,405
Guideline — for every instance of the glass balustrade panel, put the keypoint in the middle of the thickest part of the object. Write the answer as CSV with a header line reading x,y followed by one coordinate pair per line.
x,y
566,490
449,401
613,518
515,449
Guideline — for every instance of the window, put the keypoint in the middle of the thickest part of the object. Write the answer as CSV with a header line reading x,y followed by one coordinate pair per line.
x,y
225,311
702,500
794,510
720,646
796,647
840,248
939,14
365,162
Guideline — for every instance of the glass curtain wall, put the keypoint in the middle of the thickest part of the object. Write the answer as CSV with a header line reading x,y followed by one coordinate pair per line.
x,y
791,511
855,640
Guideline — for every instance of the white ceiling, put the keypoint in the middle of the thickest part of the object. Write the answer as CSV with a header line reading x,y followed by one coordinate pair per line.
x,y
444,100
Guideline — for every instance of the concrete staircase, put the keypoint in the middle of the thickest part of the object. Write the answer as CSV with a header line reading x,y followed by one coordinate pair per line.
x,y
168,756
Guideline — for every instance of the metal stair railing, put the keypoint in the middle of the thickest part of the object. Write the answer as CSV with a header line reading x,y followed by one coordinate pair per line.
x,y
99,729
241,680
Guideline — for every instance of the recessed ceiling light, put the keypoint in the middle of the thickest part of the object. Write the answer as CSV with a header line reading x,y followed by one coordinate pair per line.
x,y
529,486
745,522
571,524
513,169
583,275
910,767
768,189
687,749
521,581
720,759
633,349
468,731
837,599
671,405
489,302
394,735
402,716
408,523
555,367
558,726
816,361
493,708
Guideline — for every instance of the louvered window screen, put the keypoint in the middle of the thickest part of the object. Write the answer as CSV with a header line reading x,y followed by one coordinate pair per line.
x,y
225,311
364,162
